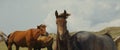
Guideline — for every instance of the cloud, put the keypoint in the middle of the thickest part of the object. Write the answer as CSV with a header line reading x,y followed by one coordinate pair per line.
x,y
114,23
50,22
89,15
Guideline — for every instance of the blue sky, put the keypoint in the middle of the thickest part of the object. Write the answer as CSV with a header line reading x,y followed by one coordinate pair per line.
x,y
88,15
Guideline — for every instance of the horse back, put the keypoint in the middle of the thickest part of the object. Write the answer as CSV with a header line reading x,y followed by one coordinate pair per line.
x,y
106,42
17,36
81,40
84,39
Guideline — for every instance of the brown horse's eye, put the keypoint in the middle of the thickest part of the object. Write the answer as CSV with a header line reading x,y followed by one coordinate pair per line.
x,y
56,22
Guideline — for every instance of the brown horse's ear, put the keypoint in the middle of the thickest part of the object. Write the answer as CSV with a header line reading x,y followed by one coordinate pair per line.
x,y
65,12
56,13
38,27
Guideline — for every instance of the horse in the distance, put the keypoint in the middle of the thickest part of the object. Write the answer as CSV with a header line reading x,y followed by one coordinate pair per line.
x,y
26,38
81,40
3,36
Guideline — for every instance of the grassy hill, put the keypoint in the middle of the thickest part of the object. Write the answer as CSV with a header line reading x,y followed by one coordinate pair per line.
x,y
113,31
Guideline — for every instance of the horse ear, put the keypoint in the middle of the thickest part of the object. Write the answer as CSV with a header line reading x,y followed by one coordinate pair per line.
x,y
56,13
65,12
38,27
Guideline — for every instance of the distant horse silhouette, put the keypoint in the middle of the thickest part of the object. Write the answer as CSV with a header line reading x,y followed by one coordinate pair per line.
x,y
3,36
81,40
26,38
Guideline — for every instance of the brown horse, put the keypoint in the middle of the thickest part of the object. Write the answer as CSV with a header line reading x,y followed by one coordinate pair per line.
x,y
81,40
26,38
44,41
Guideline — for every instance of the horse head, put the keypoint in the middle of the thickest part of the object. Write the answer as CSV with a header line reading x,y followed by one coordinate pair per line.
x,y
42,28
61,23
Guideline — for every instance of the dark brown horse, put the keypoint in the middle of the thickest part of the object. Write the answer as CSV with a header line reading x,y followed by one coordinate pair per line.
x,y
81,40
26,38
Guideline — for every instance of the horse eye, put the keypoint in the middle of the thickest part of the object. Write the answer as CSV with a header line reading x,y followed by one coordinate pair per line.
x,y
56,22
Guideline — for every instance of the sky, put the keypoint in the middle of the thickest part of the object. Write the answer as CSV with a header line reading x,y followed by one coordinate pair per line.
x,y
86,15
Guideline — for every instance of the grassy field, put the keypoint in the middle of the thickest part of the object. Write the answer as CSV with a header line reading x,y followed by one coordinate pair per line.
x,y
3,47
114,31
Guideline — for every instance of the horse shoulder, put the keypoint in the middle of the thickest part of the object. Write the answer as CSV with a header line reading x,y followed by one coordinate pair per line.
x,y
31,34
28,35
36,33
83,36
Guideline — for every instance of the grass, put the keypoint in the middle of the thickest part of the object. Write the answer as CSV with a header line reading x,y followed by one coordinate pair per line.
x,y
4,47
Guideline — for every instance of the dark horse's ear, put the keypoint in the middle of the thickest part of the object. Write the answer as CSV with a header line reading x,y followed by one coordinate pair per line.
x,y
56,13
66,14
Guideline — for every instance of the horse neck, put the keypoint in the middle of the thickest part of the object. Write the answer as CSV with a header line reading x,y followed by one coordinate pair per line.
x,y
64,45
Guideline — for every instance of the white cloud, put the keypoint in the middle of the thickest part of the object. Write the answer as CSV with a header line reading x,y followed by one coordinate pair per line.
x,y
90,15
87,15
50,22
117,7
114,23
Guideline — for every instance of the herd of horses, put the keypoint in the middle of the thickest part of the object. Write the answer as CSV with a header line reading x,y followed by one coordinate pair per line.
x,y
38,38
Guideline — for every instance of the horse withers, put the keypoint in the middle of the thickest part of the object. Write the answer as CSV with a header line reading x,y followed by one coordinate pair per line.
x,y
81,40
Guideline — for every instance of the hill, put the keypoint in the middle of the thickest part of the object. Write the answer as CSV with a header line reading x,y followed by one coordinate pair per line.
x,y
113,31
